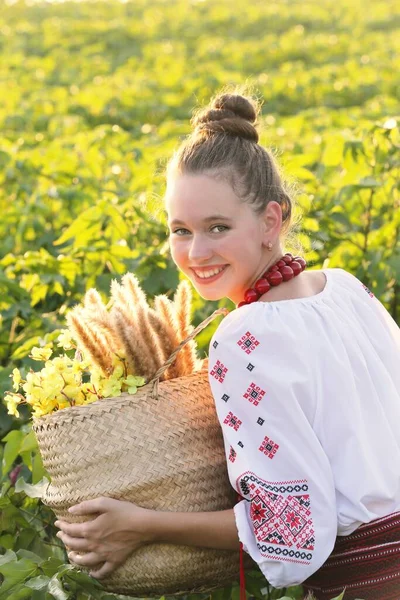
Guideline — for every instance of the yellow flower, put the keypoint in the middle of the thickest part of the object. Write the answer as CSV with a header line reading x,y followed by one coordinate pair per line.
x,y
40,353
133,383
118,371
109,388
65,340
16,375
12,401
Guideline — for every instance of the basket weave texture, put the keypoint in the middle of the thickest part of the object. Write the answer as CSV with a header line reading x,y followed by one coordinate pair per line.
x,y
162,449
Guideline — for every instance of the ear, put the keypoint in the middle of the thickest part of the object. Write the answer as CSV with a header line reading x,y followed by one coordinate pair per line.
x,y
272,222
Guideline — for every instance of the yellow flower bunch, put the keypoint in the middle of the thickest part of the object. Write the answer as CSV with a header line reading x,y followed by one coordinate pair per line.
x,y
116,350
61,382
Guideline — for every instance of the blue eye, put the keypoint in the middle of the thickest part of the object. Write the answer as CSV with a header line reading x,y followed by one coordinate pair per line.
x,y
224,227
177,231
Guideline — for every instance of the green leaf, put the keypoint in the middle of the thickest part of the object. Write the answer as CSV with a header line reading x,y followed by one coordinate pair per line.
x,y
20,593
15,573
7,541
56,589
12,448
341,218
339,597
38,583
30,556
369,182
29,442
7,557
24,349
51,566
33,491
38,470
88,583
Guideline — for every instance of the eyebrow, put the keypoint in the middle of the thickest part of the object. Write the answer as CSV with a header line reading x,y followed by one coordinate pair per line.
x,y
206,220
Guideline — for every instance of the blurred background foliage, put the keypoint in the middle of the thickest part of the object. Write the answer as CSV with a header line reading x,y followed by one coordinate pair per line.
x,y
95,97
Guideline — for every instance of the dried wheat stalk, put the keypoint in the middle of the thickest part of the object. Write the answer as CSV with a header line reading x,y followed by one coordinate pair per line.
x,y
136,353
131,303
182,303
146,336
166,311
91,342
167,347
99,318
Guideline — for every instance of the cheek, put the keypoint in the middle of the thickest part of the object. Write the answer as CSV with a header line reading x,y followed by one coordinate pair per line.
x,y
177,252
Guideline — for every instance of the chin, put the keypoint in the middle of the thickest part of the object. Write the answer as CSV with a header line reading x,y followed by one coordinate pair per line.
x,y
210,294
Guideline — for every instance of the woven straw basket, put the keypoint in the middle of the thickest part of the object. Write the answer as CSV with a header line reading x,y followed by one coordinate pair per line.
x,y
161,449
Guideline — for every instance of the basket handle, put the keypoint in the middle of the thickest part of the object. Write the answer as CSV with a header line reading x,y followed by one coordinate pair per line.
x,y
170,360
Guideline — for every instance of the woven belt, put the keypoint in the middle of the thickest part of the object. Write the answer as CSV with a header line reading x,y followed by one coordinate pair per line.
x,y
366,563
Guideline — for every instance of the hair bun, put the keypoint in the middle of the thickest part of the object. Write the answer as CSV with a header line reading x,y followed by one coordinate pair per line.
x,y
231,114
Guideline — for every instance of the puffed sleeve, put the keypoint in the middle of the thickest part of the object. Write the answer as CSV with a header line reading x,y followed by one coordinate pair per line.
x,y
264,391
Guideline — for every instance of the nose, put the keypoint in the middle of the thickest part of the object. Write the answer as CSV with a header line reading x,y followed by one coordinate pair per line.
x,y
200,249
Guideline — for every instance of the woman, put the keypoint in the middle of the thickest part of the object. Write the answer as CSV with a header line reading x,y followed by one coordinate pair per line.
x,y
306,380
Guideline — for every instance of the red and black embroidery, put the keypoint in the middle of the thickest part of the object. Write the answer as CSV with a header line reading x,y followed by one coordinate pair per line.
x,y
248,342
269,447
232,421
368,291
219,371
281,516
232,455
254,394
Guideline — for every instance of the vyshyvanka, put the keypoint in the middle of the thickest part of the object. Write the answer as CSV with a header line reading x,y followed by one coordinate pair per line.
x,y
307,392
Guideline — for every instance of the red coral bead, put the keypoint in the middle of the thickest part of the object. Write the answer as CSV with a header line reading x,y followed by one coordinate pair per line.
x,y
241,304
262,286
273,269
301,262
281,263
287,273
287,258
251,296
275,278
296,267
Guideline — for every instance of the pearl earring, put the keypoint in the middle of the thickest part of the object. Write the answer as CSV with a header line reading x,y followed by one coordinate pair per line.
x,y
269,245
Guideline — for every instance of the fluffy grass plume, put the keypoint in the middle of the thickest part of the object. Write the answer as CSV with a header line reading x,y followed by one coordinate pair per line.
x,y
90,341
183,303
99,317
136,354
166,311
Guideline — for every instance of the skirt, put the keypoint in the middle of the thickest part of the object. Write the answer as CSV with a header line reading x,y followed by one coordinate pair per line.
x,y
366,563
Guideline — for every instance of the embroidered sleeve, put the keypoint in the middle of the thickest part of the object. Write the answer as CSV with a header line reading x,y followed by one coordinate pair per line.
x,y
263,391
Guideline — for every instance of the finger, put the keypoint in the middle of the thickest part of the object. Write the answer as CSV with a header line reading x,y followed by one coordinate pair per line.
x,y
92,559
75,543
105,570
75,529
90,506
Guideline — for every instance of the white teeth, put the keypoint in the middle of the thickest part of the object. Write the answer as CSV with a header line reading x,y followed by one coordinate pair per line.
x,y
207,274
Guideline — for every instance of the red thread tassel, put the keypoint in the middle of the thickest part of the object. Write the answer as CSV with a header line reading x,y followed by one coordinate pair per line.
x,y
242,575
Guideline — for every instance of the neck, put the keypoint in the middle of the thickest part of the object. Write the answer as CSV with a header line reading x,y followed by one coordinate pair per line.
x,y
273,256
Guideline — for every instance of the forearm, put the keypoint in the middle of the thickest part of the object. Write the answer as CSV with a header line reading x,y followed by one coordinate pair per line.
x,y
202,529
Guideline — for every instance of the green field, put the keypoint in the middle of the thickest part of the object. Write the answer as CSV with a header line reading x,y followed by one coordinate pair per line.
x,y
94,98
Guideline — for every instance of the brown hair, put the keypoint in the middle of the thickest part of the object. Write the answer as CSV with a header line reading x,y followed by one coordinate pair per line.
x,y
224,144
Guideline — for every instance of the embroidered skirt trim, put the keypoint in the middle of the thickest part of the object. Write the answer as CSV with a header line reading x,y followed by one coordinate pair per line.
x,y
366,563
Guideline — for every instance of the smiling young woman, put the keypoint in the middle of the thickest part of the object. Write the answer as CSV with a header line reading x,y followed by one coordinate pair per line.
x,y
305,376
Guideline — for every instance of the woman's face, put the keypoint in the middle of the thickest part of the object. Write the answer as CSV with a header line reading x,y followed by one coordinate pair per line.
x,y
217,240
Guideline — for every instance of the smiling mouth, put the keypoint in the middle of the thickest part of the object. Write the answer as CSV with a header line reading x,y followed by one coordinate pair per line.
x,y
208,273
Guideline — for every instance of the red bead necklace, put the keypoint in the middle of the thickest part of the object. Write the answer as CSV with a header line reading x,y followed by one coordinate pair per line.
x,y
286,268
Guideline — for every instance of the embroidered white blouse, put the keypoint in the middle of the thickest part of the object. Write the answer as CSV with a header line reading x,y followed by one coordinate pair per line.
x,y
307,392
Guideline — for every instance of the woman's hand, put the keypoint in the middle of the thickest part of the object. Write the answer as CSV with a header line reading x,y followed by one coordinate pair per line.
x,y
114,534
